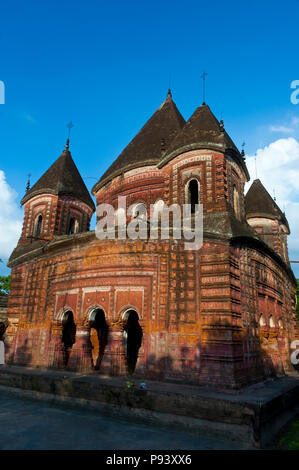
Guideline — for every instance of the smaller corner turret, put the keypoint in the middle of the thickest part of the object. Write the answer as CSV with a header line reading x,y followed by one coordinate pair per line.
x,y
264,215
57,204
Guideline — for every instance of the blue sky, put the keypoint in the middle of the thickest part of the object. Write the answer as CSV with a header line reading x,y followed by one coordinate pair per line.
x,y
106,67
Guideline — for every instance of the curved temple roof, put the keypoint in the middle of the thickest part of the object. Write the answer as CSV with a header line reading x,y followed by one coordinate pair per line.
x,y
203,130
166,134
259,203
150,142
61,178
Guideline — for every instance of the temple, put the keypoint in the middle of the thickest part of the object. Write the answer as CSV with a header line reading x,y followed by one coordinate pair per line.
x,y
222,316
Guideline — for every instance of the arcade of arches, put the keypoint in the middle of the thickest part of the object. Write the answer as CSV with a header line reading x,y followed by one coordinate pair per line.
x,y
97,338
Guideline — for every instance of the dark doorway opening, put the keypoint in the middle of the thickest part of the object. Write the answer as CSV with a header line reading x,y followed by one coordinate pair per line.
x,y
98,336
193,194
71,229
2,330
134,339
68,334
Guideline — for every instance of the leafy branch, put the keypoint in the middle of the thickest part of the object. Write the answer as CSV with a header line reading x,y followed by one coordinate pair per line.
x,y
5,283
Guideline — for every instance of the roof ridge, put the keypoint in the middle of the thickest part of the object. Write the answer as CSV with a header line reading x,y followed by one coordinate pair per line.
x,y
149,143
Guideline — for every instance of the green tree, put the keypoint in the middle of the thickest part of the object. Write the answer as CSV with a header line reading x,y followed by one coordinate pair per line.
x,y
5,283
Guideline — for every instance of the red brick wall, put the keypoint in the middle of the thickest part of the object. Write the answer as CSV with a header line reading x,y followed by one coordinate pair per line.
x,y
199,310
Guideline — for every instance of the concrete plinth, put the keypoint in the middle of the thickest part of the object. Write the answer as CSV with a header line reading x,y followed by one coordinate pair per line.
x,y
253,415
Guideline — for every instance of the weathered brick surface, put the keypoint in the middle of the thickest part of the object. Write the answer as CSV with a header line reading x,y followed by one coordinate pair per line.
x,y
199,310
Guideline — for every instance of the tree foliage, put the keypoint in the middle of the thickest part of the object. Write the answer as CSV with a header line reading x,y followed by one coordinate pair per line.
x,y
5,283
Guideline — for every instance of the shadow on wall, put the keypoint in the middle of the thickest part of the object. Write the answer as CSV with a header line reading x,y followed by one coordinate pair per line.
x,y
184,367
262,357
22,356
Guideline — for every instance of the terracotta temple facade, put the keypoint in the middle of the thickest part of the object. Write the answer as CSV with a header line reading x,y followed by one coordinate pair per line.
x,y
222,316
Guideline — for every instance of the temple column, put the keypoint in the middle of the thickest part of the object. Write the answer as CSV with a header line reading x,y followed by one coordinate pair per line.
x,y
81,353
56,347
114,359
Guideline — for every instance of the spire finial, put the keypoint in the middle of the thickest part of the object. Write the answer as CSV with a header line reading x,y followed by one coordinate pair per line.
x,y
243,151
221,125
203,76
169,95
70,125
28,183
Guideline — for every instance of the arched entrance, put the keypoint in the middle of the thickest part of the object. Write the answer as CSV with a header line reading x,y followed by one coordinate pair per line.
x,y
68,334
133,334
192,194
2,330
98,335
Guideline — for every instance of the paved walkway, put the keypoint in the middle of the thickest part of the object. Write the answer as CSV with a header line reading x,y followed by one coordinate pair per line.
x,y
31,424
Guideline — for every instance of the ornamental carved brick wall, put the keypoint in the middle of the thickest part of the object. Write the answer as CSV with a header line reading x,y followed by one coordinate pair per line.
x,y
221,316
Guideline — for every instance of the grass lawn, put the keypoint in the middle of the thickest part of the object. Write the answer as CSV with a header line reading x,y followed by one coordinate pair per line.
x,y
290,439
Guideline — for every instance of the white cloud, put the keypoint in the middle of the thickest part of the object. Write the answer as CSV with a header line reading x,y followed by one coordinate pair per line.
x,y
11,218
278,169
289,126
285,130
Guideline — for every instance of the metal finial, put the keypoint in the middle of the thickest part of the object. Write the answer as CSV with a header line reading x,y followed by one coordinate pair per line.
x,y
169,95
28,183
203,76
221,125
70,125
243,151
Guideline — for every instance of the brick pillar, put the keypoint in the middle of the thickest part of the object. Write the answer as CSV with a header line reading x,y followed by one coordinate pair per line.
x,y
283,348
114,359
56,347
276,352
80,355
